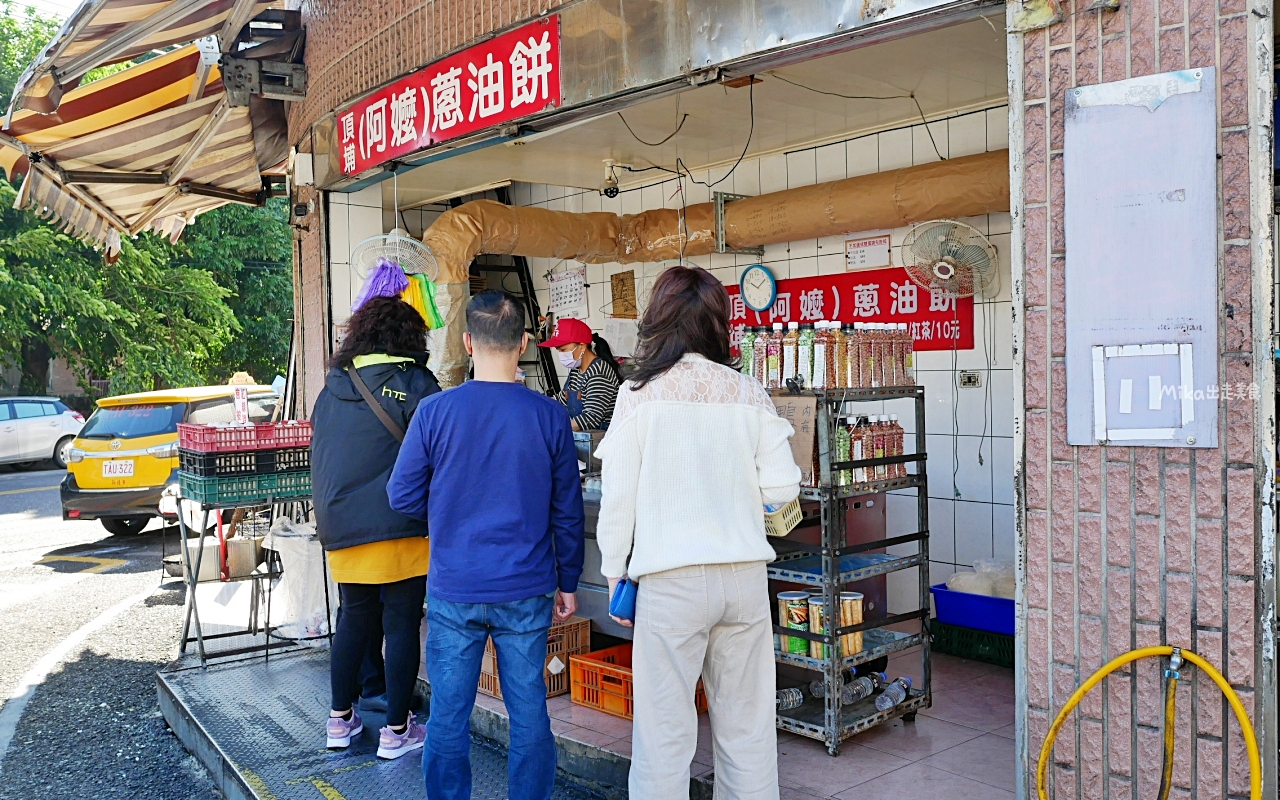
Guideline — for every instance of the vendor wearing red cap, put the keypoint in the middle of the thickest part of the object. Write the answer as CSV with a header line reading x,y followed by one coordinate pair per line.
x,y
594,375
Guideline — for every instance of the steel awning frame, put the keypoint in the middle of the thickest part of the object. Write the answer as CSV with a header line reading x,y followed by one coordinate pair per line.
x,y
102,32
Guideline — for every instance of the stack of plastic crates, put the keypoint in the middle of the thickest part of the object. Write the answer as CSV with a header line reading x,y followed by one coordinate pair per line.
x,y
240,465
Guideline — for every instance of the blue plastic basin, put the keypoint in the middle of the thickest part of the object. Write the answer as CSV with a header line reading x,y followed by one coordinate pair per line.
x,y
978,611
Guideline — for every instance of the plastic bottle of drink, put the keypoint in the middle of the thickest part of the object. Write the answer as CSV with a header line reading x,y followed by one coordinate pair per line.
x,y
836,356
865,686
909,355
896,444
773,378
787,699
818,688
893,694
880,444
790,340
842,452
745,347
804,354
821,353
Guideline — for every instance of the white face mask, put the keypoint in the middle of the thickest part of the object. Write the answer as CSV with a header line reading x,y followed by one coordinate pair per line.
x,y
567,359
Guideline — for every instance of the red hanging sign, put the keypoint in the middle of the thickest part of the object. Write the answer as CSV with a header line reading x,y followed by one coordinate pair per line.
x,y
506,78
877,295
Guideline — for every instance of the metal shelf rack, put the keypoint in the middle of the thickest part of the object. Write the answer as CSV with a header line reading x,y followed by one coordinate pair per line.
x,y
834,563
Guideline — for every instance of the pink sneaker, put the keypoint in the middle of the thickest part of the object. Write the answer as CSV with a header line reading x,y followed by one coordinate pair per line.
x,y
393,745
339,732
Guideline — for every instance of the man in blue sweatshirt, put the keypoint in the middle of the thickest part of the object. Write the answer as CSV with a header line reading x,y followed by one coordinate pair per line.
x,y
491,466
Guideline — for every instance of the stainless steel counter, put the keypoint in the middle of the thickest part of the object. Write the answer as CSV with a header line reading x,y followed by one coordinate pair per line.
x,y
593,588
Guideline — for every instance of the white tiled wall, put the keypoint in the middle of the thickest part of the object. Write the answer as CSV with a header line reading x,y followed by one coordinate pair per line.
x,y
969,431
353,217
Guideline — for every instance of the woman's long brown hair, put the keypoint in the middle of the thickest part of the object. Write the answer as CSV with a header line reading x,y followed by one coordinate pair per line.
x,y
688,313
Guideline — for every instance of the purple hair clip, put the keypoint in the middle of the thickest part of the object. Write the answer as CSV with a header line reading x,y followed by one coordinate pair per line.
x,y
386,279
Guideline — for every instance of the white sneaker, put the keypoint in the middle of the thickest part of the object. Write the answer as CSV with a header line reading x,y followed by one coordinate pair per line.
x,y
393,745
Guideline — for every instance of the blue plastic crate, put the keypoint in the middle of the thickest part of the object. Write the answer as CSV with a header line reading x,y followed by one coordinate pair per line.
x,y
975,611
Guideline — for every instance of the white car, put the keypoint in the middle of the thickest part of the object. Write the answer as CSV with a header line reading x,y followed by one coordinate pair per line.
x,y
37,429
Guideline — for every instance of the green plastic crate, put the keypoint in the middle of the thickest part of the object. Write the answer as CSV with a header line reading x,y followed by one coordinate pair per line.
x,y
985,646
243,489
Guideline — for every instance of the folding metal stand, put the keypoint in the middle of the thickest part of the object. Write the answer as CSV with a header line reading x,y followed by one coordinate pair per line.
x,y
191,611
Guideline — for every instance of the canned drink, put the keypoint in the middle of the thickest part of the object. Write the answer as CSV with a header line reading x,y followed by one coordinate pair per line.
x,y
793,612
851,614
818,621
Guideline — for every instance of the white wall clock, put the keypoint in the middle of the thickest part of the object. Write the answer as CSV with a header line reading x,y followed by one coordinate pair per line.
x,y
759,288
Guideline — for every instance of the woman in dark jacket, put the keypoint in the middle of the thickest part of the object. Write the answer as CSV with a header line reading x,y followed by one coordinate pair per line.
x,y
377,556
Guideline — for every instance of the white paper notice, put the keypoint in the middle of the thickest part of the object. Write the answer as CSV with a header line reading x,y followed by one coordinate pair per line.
x,y
866,252
621,336
568,290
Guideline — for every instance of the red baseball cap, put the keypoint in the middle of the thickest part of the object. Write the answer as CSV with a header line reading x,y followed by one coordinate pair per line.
x,y
569,331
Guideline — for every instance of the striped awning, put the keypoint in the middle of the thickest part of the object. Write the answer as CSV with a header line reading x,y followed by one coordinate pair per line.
x,y
147,148
102,32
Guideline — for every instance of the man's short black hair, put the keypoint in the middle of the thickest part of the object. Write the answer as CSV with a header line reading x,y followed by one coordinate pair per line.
x,y
495,320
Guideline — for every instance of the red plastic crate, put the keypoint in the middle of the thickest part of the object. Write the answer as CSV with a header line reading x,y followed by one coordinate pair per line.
x,y
602,680
237,438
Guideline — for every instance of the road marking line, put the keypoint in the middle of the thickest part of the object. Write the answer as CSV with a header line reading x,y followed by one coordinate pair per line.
x,y
103,564
256,783
16,704
31,489
327,790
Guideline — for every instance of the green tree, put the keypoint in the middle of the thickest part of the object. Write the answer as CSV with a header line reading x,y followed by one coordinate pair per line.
x,y
250,251
21,38
148,321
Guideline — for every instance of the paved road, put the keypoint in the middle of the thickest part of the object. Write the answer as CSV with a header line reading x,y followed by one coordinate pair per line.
x,y
86,623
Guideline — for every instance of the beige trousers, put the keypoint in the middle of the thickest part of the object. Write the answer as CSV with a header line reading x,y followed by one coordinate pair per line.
x,y
711,621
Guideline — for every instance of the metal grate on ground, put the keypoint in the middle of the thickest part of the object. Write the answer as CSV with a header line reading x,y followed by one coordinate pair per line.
x,y
263,721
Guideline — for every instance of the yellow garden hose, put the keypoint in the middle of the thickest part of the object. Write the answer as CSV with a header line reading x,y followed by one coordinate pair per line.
x,y
1250,741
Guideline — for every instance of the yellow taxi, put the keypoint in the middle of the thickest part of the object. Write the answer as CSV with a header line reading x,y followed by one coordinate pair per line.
x,y
127,453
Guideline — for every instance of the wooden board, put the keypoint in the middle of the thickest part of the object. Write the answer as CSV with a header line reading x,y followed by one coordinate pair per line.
x,y
802,412
623,286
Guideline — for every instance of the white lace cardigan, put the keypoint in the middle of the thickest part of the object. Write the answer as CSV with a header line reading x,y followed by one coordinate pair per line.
x,y
689,462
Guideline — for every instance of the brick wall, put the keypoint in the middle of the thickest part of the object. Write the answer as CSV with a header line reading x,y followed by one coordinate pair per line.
x,y
1129,546
355,46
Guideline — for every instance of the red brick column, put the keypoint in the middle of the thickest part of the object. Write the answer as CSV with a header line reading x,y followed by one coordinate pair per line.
x,y
1128,546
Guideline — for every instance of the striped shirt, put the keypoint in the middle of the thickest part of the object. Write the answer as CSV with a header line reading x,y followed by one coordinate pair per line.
x,y
597,388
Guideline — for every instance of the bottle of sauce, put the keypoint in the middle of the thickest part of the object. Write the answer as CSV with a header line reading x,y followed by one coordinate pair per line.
x,y
760,356
880,444
859,369
858,449
872,345
745,347
851,355
804,355
842,452
835,357
909,355
896,444
773,349
821,353
892,366
790,343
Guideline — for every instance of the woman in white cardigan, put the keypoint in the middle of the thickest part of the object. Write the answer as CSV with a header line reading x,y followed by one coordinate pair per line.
x,y
694,453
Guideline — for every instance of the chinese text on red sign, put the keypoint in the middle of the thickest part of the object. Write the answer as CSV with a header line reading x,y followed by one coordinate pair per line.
x,y
878,295
505,78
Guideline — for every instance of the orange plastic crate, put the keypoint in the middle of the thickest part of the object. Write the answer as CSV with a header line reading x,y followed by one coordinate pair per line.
x,y
568,638
602,680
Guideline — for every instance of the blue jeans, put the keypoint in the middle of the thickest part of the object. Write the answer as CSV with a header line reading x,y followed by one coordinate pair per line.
x,y
456,634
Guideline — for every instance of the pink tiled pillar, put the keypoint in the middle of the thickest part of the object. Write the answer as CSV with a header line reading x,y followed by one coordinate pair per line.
x,y
1127,546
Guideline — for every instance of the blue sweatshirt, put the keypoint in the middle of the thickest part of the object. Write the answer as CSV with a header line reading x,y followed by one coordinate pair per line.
x,y
493,470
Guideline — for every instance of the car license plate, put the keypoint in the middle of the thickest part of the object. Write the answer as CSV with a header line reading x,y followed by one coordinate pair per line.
x,y
117,469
